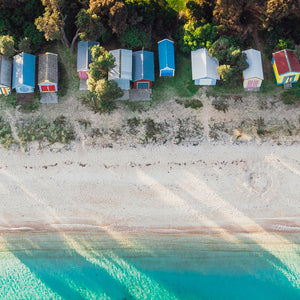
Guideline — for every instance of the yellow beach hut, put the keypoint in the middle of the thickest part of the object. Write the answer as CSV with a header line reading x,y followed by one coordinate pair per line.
x,y
286,67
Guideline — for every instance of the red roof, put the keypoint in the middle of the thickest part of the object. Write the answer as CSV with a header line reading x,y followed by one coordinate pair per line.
x,y
286,61
294,62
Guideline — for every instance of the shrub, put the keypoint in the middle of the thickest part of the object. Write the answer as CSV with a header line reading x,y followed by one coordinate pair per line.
x,y
284,44
220,104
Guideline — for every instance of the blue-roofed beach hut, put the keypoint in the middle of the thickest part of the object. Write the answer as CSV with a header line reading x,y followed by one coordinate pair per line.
x,y
24,73
166,58
84,57
122,71
142,69
5,75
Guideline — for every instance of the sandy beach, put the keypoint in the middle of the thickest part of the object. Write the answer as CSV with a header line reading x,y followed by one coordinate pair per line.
x,y
207,189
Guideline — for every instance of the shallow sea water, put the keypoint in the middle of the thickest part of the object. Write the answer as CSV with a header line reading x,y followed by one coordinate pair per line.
x,y
146,266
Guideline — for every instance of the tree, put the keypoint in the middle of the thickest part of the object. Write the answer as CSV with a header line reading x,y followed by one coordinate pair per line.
x,y
102,92
134,38
91,27
238,17
7,45
232,61
195,36
53,21
25,45
200,10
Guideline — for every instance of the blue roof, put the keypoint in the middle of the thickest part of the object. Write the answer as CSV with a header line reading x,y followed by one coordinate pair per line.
x,y
166,54
24,70
142,65
84,57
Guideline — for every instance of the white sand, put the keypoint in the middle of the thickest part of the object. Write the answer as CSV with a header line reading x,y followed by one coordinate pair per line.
x,y
208,189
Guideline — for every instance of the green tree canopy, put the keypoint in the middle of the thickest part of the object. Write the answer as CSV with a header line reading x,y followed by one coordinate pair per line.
x,y
102,91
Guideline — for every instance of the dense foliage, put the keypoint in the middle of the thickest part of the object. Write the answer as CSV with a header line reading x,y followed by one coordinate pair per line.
x,y
102,91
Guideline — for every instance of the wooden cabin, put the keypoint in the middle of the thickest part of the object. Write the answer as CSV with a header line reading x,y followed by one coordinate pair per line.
x,y
122,71
253,75
48,73
166,58
5,75
204,67
84,58
142,69
286,67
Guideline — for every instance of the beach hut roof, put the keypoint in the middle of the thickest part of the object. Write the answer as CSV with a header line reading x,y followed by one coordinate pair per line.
x,y
203,65
142,65
48,68
286,61
166,54
5,71
84,57
255,69
24,70
123,67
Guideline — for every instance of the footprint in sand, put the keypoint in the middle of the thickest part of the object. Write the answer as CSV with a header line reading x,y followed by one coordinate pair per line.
x,y
260,181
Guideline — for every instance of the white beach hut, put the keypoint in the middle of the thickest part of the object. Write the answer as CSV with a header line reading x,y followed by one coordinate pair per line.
x,y
122,72
253,75
204,67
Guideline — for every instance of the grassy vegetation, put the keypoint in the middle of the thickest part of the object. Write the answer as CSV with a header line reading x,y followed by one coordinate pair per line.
x,y
177,5
58,131
192,103
6,137
180,85
291,96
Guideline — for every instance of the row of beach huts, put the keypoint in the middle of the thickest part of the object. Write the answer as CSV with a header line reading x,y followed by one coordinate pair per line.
x,y
136,67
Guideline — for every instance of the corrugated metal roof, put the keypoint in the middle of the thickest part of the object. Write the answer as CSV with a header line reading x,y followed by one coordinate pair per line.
x,y
255,69
166,54
203,65
24,70
84,57
5,71
142,65
123,67
48,68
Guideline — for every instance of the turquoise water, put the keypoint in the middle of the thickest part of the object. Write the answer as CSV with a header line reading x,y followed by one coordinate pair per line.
x,y
154,266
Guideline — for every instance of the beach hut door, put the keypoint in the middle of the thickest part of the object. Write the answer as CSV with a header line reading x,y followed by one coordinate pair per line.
x,y
288,79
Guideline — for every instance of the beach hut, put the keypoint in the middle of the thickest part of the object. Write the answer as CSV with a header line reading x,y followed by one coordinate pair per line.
x,y
24,73
142,69
166,58
122,72
48,77
204,67
253,75
5,75
286,67
48,73
84,58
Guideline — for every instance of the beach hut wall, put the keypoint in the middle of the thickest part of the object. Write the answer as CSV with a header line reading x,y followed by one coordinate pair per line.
x,y
48,72
122,71
166,58
24,73
5,75
84,57
253,75
204,67
142,69
286,67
